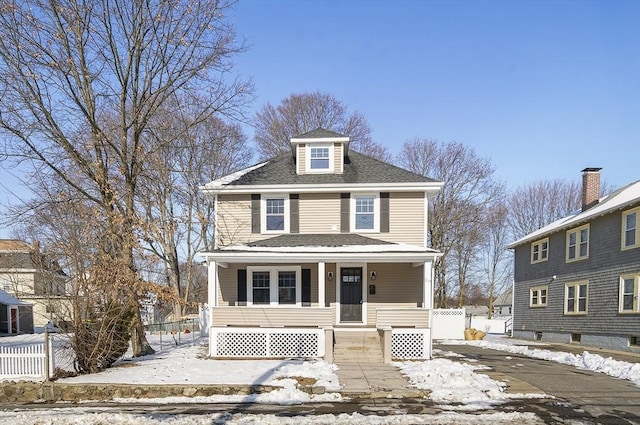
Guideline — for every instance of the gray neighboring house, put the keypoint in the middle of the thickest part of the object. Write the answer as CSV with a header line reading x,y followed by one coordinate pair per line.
x,y
16,317
577,280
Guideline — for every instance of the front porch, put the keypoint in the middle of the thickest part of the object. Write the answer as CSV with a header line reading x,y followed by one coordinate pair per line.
x,y
254,332
292,301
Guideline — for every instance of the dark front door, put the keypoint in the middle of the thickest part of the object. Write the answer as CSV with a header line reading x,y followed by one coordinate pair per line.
x,y
351,294
14,321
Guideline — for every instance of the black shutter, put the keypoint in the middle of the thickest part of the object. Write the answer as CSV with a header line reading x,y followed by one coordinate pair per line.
x,y
255,213
384,212
345,224
294,213
306,287
242,286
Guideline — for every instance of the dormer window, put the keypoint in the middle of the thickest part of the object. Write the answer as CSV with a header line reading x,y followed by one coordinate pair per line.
x,y
319,158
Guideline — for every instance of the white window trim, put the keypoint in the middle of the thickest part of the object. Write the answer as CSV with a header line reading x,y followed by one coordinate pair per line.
x,y
538,289
263,213
308,168
539,245
273,285
577,285
577,231
636,294
376,212
623,230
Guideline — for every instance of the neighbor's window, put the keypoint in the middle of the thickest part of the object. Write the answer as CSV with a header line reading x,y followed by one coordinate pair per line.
x,y
538,296
630,224
540,251
274,285
275,218
575,297
261,283
629,291
365,213
578,243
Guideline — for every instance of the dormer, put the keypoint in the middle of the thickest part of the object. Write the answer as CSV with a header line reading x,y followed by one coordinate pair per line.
x,y
320,152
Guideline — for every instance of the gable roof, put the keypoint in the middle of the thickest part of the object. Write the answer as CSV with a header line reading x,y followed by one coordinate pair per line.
x,y
620,199
281,170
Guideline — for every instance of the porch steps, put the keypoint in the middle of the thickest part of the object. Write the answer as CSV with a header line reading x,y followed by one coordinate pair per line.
x,y
357,347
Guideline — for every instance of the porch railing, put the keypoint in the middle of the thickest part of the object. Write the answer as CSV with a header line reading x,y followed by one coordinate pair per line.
x,y
276,316
402,317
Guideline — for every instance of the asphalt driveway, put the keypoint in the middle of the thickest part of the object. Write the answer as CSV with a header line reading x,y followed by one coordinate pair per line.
x,y
591,395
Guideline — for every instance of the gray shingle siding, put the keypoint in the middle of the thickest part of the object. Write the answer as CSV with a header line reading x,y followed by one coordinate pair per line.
x,y
606,263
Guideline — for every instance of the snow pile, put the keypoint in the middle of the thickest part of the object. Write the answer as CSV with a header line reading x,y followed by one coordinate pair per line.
x,y
587,361
457,384
64,416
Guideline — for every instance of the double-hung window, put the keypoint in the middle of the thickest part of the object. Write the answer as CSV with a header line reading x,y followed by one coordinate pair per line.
x,y
275,217
575,297
319,158
261,283
629,292
630,225
578,243
278,285
540,251
538,296
366,213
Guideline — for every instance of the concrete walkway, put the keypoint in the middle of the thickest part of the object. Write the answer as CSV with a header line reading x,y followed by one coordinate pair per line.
x,y
374,380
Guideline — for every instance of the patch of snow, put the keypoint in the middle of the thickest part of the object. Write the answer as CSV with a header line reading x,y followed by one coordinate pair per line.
x,y
454,383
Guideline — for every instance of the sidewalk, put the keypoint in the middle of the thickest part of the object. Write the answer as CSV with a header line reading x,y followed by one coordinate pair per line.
x,y
374,380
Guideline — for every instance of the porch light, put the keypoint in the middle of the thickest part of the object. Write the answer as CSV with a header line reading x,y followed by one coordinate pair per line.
x,y
372,274
330,276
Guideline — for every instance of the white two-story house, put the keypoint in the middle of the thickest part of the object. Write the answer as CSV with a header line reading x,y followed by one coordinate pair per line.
x,y
317,243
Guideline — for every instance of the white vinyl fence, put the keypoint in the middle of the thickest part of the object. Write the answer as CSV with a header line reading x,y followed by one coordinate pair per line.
x,y
23,361
447,323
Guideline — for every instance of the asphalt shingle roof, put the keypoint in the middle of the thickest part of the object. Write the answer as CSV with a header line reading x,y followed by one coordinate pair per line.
x,y
324,240
358,168
319,133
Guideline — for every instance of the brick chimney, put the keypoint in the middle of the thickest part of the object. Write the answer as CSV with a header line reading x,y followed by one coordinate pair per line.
x,y
590,187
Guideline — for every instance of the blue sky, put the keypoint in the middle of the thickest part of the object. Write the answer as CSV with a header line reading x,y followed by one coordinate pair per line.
x,y
542,88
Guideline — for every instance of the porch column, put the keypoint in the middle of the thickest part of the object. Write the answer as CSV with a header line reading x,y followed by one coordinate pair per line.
x,y
213,285
427,285
321,274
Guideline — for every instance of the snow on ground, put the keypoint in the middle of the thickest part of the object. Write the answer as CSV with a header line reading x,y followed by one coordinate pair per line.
x,y
586,360
77,416
457,386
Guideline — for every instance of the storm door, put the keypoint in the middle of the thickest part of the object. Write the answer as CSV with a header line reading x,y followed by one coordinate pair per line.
x,y
351,294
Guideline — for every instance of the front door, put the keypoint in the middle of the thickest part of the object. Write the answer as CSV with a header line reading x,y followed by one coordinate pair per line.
x,y
351,294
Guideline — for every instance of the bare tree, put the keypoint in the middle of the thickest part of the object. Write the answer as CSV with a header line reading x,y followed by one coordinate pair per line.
x,y
80,83
497,266
456,212
303,112
178,216
535,205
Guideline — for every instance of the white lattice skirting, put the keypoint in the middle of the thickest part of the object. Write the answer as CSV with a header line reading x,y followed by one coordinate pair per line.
x,y
266,342
411,343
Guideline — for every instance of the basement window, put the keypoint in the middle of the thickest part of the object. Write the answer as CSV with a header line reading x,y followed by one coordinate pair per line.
x,y
538,336
576,337
634,341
